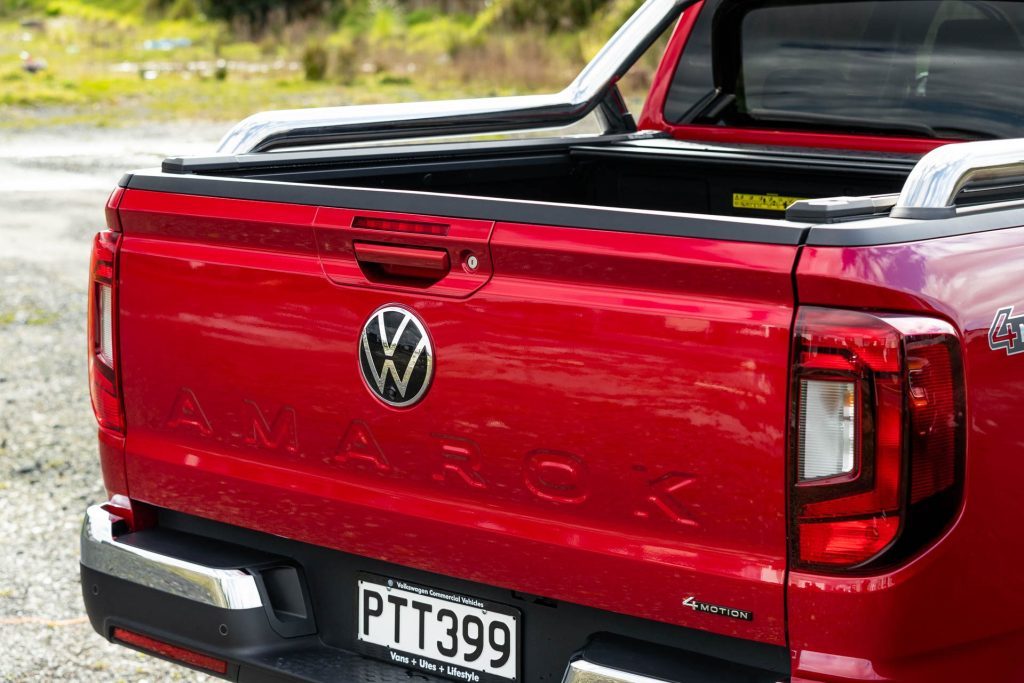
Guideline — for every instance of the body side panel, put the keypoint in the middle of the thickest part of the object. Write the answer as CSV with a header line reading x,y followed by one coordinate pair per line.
x,y
953,612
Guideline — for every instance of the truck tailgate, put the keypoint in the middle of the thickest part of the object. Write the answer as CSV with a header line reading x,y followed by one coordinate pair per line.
x,y
606,423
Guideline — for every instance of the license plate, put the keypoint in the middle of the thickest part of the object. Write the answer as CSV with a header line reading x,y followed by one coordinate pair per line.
x,y
436,631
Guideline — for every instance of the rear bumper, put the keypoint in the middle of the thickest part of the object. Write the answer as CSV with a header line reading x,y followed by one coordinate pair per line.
x,y
104,552
251,607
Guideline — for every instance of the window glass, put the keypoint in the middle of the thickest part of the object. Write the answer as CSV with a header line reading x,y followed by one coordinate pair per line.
x,y
953,68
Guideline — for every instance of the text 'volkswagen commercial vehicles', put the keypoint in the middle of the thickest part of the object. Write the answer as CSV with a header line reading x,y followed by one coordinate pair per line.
x,y
732,394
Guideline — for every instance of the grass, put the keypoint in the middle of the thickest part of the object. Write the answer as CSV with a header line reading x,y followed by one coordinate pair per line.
x,y
30,316
91,79
100,73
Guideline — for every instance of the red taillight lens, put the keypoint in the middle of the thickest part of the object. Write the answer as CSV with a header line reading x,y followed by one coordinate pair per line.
x,y
110,211
103,353
877,435
934,428
846,543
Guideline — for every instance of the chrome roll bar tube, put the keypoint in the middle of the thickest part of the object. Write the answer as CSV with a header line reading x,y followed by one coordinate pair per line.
x,y
932,187
594,89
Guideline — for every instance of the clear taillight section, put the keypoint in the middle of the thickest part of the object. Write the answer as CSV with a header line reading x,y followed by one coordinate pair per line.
x,y
828,429
106,324
104,382
877,436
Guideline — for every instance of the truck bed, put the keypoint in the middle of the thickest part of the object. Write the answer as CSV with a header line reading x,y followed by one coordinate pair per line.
x,y
644,171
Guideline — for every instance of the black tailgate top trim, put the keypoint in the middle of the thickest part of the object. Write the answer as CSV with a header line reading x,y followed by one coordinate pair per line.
x,y
858,233
479,208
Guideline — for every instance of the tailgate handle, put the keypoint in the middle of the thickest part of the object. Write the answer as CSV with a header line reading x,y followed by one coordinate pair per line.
x,y
407,252
389,260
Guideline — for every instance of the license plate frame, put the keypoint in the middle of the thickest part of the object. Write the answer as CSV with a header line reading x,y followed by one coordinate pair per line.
x,y
374,632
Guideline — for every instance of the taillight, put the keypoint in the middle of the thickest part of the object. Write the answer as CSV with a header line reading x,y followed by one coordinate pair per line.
x,y
104,382
877,434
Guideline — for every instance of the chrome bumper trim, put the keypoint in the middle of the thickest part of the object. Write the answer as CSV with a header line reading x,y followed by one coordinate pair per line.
x,y
101,551
582,671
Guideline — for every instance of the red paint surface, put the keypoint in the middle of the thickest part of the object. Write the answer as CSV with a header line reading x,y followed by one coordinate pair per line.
x,y
634,425
607,401
953,612
653,117
111,452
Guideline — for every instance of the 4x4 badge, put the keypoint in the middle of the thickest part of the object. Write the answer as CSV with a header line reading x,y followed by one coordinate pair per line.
x,y
1007,332
396,357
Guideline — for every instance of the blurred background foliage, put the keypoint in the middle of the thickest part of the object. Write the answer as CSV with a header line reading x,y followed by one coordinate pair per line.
x,y
111,62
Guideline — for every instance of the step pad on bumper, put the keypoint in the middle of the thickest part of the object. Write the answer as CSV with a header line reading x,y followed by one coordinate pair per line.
x,y
125,557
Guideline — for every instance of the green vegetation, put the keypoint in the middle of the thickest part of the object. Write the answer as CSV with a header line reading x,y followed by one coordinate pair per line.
x,y
115,62
30,316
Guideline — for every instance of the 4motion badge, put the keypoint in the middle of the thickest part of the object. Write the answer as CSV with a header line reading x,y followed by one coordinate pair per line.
x,y
396,357
1007,332
719,610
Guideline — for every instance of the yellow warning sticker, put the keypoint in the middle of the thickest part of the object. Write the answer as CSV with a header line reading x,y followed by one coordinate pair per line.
x,y
763,202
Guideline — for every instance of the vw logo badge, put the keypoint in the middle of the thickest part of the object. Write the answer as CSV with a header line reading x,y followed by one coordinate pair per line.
x,y
395,356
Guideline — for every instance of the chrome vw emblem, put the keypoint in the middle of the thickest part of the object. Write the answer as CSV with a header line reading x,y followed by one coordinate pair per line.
x,y
395,356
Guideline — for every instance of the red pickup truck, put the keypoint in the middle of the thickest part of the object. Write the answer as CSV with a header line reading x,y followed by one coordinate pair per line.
x,y
730,394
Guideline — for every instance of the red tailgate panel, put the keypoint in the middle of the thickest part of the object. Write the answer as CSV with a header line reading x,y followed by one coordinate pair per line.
x,y
606,424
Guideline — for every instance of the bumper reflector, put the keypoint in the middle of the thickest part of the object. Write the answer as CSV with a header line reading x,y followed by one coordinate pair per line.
x,y
178,654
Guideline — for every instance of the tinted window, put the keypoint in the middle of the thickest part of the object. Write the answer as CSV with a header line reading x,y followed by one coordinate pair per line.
x,y
953,68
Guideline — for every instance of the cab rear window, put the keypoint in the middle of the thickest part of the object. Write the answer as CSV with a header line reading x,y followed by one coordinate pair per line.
x,y
935,69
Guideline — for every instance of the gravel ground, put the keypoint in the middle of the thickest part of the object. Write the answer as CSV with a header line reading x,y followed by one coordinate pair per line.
x,y
48,467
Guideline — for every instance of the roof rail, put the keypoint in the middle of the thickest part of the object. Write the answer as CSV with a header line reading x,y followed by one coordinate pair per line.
x,y
594,89
932,187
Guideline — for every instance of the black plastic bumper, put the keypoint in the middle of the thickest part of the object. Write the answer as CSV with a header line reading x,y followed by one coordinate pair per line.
x,y
305,628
